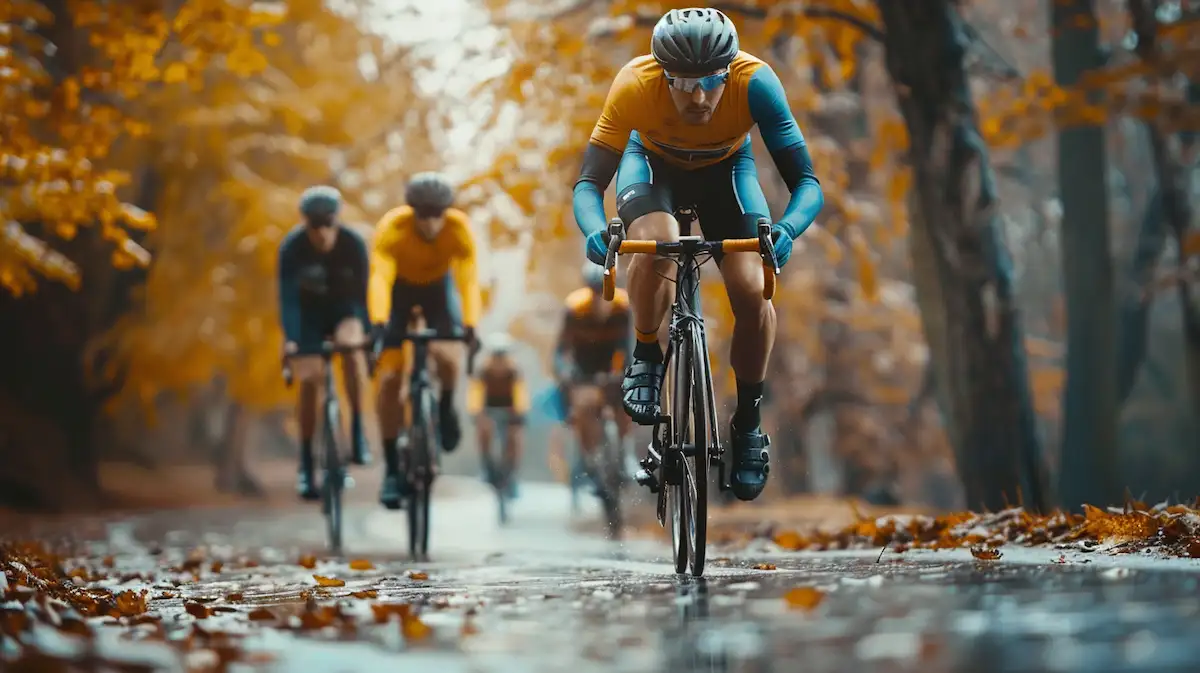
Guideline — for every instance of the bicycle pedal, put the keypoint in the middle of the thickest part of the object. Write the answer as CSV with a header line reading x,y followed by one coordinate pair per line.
x,y
647,479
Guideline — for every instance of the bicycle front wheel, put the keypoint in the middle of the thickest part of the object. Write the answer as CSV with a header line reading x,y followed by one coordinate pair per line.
x,y
696,465
332,487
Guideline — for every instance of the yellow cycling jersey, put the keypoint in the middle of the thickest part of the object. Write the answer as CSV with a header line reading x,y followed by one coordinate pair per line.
x,y
498,384
640,101
401,253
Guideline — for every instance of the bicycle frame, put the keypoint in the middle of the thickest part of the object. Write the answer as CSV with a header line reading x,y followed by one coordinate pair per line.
x,y
424,453
675,437
333,480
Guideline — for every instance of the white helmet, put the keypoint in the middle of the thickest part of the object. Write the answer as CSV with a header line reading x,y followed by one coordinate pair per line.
x,y
499,343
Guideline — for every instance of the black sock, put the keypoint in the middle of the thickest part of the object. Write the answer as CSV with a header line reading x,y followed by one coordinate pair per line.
x,y
356,428
648,351
748,415
391,455
306,454
446,402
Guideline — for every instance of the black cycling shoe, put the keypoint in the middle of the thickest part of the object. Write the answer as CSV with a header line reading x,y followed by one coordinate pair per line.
x,y
450,429
751,462
641,391
394,491
306,483
360,450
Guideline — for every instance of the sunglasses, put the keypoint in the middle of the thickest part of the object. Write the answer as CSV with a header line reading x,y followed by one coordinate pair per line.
x,y
320,222
689,84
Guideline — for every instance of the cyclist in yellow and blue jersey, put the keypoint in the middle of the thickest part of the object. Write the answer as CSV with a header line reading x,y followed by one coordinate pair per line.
x,y
322,296
423,256
675,130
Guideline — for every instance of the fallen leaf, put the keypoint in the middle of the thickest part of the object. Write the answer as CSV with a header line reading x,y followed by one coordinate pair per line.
x,y
418,575
130,603
763,566
413,628
234,597
261,615
366,593
804,598
329,581
985,553
197,610
384,611
109,561
790,540
361,564
216,566
307,561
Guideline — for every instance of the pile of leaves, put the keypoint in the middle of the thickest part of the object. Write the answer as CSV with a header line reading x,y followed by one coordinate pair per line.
x,y
43,590
1171,530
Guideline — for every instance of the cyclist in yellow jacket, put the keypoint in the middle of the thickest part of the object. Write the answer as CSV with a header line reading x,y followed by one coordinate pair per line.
x,y
423,256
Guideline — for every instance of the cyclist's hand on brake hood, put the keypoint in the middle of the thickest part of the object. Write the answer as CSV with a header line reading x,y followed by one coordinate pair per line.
x,y
783,244
596,247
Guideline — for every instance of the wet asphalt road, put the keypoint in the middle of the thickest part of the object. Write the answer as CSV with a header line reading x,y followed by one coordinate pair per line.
x,y
543,596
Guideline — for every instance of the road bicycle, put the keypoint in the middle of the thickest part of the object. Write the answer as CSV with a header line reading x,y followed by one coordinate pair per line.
x,y
334,479
422,457
685,440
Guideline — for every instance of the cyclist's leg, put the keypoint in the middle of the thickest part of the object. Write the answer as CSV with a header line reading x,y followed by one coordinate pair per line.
x,y
392,368
644,194
486,430
443,312
732,202
514,446
308,372
587,406
350,331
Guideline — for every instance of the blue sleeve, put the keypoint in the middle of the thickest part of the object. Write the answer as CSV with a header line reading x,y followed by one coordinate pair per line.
x,y
289,290
769,109
599,167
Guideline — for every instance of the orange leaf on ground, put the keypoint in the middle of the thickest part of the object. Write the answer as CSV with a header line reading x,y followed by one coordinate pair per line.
x,y
418,575
366,593
329,581
413,628
261,615
234,597
763,566
361,564
790,540
384,611
307,561
197,610
804,598
985,554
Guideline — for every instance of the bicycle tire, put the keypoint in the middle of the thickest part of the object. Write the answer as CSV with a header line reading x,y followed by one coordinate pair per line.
x,y
430,464
674,463
699,461
334,479
416,467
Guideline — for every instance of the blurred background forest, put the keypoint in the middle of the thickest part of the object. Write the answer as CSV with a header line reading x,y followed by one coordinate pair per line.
x,y
998,304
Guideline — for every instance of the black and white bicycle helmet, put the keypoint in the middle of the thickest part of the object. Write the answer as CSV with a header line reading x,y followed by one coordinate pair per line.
x,y
694,41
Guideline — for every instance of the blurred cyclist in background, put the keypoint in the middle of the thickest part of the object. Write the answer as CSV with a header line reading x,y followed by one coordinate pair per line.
x,y
499,401
323,296
593,345
423,256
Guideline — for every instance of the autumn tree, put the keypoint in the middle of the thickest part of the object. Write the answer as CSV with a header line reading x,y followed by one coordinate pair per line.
x,y
76,76
1088,468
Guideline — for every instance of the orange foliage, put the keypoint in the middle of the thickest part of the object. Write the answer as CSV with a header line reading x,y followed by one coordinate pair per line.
x,y
61,130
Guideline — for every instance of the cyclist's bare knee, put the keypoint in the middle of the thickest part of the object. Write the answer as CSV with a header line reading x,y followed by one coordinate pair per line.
x,y
743,276
447,361
349,332
657,226
308,369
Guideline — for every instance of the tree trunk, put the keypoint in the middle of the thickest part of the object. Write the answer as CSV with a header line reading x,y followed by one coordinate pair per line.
x,y
1173,171
1088,469
963,273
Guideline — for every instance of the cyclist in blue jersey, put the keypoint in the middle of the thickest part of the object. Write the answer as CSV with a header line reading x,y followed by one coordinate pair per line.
x,y
323,296
675,132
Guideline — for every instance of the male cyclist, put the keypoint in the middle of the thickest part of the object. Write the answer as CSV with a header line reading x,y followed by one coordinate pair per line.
x,y
323,295
423,256
499,401
592,344
675,131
